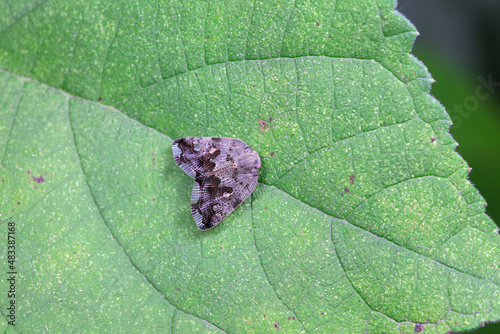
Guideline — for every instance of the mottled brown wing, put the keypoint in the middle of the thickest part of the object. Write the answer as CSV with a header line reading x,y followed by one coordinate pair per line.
x,y
221,183
199,156
211,204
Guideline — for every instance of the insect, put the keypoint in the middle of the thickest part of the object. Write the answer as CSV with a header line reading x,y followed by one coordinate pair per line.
x,y
225,173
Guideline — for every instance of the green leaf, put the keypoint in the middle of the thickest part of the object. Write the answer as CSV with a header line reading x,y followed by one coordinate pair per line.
x,y
364,220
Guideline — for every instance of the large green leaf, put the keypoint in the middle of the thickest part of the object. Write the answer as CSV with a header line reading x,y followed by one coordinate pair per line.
x,y
364,220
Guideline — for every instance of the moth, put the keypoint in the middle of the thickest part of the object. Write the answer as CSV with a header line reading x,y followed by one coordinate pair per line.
x,y
225,173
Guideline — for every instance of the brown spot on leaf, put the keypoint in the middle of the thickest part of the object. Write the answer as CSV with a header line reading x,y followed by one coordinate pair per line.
x,y
262,125
272,154
419,328
352,178
39,179
433,140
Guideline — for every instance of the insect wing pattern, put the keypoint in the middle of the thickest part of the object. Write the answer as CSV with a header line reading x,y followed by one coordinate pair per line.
x,y
225,173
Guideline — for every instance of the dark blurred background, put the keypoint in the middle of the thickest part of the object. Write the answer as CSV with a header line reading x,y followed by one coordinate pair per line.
x,y
459,43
